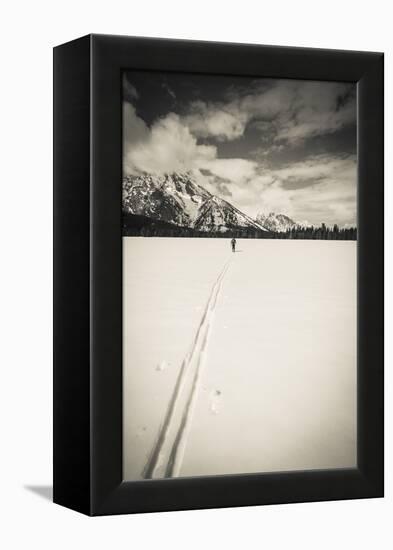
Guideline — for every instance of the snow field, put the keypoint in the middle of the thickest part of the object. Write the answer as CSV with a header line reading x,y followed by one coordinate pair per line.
x,y
270,382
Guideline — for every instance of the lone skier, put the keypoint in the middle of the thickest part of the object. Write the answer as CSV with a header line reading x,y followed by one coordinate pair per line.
x,y
233,243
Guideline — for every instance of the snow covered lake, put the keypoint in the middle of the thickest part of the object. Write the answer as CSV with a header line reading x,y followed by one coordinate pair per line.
x,y
238,363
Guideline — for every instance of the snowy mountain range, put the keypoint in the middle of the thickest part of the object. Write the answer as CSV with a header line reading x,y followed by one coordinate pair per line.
x,y
276,222
178,199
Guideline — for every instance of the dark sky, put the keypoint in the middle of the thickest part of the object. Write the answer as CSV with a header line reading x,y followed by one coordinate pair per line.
x,y
265,145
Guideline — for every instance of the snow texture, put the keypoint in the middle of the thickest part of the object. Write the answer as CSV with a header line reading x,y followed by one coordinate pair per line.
x,y
238,363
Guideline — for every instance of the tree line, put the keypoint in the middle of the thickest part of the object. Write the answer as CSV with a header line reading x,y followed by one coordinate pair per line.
x,y
322,232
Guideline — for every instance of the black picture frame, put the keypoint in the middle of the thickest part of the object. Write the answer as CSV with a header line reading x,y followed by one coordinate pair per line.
x,y
88,275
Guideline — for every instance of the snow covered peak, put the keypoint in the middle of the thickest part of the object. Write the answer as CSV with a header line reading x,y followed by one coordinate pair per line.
x,y
180,200
276,222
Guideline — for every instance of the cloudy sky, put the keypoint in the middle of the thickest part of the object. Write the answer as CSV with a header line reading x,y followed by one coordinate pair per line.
x,y
264,145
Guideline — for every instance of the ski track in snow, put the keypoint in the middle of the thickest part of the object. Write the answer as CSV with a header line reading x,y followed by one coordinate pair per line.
x,y
168,451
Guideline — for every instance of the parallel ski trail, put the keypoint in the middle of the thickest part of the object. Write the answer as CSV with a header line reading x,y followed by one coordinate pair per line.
x,y
177,452
169,447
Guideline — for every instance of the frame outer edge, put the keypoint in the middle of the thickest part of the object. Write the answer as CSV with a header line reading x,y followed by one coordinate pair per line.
x,y
71,285
371,276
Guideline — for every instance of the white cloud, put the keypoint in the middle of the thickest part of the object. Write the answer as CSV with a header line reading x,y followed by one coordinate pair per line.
x,y
318,167
292,110
321,189
317,110
168,146
235,170
219,121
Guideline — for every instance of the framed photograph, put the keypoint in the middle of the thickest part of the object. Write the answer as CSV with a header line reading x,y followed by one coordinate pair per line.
x,y
218,275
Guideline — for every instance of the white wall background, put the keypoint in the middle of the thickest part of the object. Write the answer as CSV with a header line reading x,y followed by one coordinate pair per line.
x,y
28,32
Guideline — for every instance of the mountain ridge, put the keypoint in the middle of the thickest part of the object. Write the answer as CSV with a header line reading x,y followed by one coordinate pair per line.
x,y
178,199
276,222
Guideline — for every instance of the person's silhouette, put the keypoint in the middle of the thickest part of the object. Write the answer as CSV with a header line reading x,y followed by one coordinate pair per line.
x,y
233,243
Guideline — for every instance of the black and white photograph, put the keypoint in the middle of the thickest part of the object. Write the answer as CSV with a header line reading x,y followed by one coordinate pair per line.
x,y
239,230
